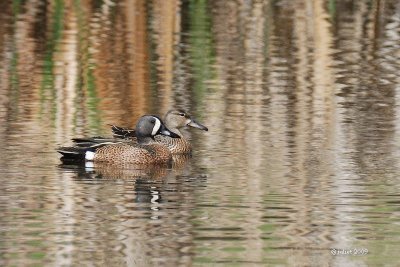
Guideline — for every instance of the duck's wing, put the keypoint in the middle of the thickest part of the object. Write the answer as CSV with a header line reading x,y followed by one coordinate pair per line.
x,y
123,133
90,141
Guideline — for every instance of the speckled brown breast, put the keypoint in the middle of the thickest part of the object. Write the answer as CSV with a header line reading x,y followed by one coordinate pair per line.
x,y
133,153
175,145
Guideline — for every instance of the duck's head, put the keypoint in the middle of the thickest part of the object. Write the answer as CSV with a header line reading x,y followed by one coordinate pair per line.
x,y
176,119
149,126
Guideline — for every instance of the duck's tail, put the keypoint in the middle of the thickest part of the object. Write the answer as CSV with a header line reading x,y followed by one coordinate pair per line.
x,y
75,154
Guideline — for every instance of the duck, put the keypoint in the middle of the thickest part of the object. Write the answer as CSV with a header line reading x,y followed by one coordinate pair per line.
x,y
175,120
144,150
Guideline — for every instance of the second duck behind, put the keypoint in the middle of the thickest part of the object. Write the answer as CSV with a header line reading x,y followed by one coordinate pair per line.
x,y
175,120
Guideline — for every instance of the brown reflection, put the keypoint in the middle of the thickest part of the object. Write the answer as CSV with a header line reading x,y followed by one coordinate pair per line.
x,y
128,171
120,50
369,95
136,40
314,118
67,75
166,25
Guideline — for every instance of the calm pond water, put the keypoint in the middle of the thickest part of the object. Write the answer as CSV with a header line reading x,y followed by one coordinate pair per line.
x,y
301,164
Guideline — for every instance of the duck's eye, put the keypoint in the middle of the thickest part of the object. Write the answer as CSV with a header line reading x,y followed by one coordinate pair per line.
x,y
153,121
182,114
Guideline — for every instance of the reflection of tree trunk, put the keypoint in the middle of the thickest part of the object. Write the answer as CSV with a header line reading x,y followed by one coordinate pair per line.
x,y
238,99
394,38
25,58
323,81
166,25
303,112
254,87
314,111
5,75
137,39
66,78
227,52
6,8
378,16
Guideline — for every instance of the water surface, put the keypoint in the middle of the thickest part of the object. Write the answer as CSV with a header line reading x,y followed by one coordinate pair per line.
x,y
300,164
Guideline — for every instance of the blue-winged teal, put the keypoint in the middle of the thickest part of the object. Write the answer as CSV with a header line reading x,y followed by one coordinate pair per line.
x,y
174,120
145,151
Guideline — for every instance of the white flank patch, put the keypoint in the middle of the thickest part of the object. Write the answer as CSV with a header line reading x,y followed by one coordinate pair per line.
x,y
89,166
156,127
89,155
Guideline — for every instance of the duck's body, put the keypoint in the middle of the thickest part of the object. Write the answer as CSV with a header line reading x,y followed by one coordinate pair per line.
x,y
146,150
133,153
174,120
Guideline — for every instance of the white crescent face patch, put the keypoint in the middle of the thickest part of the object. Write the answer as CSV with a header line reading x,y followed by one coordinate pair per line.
x,y
156,127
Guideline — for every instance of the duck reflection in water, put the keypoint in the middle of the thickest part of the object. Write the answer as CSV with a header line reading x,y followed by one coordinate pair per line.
x,y
112,171
149,181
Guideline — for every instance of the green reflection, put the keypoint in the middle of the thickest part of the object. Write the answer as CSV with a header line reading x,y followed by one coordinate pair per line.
x,y
380,226
87,81
14,77
34,243
267,228
234,249
202,54
332,9
92,101
16,6
203,260
36,255
47,90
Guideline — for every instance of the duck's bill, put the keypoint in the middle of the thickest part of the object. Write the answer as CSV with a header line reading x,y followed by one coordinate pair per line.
x,y
164,131
197,125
